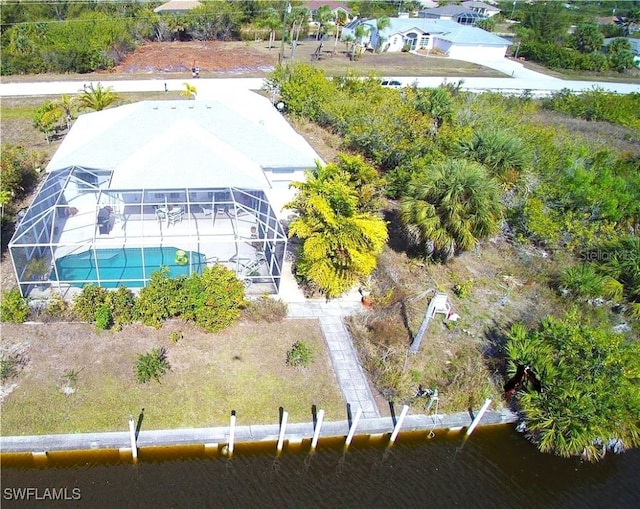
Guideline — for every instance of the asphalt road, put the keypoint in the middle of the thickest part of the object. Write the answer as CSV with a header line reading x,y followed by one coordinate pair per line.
x,y
517,80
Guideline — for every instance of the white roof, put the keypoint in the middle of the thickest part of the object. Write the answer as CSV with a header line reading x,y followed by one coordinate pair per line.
x,y
186,143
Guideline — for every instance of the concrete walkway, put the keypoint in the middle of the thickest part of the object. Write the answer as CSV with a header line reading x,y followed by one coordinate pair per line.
x,y
346,365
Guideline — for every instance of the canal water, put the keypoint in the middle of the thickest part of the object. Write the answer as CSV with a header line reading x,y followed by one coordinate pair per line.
x,y
494,468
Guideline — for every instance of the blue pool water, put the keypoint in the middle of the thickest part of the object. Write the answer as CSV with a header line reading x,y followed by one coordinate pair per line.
x,y
127,266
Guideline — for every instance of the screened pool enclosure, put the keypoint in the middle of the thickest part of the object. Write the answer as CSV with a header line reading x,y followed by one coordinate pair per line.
x,y
80,231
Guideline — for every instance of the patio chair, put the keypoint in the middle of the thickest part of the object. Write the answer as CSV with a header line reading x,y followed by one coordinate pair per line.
x,y
161,215
175,215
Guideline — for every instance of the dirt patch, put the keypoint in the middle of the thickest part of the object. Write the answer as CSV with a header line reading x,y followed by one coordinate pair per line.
x,y
231,58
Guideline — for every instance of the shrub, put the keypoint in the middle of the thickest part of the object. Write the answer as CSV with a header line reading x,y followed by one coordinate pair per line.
x,y
8,367
176,336
159,300
300,355
218,298
88,301
123,307
152,365
266,309
103,317
57,307
463,290
14,307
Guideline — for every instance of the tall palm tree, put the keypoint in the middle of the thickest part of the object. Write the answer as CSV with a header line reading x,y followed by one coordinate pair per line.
x,y
189,91
340,20
273,22
97,98
381,23
322,17
451,207
360,33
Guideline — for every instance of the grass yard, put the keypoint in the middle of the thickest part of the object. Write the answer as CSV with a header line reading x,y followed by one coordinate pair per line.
x,y
242,369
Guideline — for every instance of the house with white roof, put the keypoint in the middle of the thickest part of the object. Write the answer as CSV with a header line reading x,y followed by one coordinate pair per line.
x,y
447,36
453,12
481,8
179,184
177,7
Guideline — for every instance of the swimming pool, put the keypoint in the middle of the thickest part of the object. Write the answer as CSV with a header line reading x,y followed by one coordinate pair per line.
x,y
130,267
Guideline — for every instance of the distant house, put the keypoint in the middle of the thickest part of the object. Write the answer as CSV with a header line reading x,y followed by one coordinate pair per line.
x,y
458,13
447,36
177,7
482,8
336,8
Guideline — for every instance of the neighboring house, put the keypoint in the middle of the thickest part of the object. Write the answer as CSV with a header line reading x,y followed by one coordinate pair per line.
x,y
183,184
177,7
458,13
481,8
446,36
336,8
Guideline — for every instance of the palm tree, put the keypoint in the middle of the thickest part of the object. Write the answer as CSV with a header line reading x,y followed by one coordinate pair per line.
x,y
340,20
436,103
273,22
189,91
503,153
68,105
360,33
340,242
451,207
323,16
381,24
97,98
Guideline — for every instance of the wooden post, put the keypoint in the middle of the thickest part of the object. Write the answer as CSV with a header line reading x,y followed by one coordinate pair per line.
x,y
283,425
132,435
352,431
396,429
316,431
232,431
475,422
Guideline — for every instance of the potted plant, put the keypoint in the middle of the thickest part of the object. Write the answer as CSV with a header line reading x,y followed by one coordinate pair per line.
x,y
365,291
36,269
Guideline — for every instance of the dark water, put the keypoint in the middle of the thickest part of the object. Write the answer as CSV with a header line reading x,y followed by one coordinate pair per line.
x,y
494,468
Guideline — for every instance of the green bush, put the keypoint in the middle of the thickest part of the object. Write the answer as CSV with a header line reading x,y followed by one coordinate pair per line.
x,y
214,299
300,355
123,307
14,307
8,367
88,301
266,309
463,290
103,317
160,299
152,365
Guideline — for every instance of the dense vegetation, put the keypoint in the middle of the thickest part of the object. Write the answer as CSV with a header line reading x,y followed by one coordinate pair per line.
x,y
544,35
468,166
589,400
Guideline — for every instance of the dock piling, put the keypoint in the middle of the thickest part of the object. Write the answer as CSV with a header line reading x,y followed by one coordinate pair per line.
x,y
283,425
132,435
475,421
316,431
352,431
232,432
396,429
